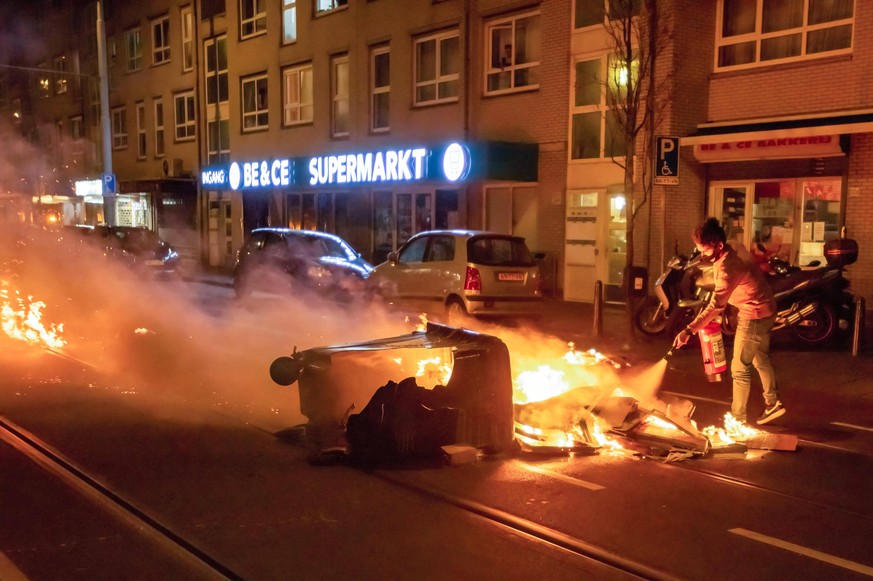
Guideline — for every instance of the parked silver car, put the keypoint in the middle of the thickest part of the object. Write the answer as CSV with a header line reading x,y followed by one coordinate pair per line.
x,y
459,273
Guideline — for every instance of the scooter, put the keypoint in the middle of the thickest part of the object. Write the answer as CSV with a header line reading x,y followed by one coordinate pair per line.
x,y
814,301
681,291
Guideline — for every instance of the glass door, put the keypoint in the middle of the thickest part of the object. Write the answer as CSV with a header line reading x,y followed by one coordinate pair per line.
x,y
616,248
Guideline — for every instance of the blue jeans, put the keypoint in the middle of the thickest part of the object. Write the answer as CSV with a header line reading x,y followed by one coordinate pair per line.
x,y
751,346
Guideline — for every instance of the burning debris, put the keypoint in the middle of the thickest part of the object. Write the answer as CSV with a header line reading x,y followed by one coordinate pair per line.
x,y
449,393
21,319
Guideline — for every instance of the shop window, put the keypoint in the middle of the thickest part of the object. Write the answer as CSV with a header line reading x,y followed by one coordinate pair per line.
x,y
820,218
383,226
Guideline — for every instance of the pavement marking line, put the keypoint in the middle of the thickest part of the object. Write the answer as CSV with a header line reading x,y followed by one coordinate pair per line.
x,y
685,395
853,426
561,477
8,570
807,552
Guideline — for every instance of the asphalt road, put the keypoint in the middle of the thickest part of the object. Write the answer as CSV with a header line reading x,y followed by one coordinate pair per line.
x,y
168,457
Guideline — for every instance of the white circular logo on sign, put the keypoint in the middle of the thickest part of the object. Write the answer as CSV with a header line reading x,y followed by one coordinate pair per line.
x,y
234,176
455,162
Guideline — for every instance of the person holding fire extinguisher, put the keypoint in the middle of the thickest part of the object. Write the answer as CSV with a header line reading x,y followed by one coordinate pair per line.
x,y
739,282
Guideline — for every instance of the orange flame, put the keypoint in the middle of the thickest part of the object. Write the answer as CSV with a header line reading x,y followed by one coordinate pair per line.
x,y
24,323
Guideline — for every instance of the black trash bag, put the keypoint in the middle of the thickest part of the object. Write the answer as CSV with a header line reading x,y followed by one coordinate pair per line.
x,y
402,421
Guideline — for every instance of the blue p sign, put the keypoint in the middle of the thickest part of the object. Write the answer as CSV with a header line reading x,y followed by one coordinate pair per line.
x,y
109,183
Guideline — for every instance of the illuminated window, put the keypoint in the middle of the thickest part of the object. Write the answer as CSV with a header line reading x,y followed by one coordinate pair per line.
x,y
322,6
289,21
437,67
252,18
752,33
119,128
60,67
380,87
133,48
187,19
185,120
255,111
161,40
513,53
339,85
297,107
597,127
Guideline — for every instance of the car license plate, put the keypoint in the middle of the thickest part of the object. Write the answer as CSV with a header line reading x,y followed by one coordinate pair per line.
x,y
511,276
154,262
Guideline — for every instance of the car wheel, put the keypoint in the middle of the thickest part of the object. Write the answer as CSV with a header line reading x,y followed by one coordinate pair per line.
x,y
456,314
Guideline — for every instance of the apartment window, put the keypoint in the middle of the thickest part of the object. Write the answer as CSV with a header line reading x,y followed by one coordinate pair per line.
x,y
289,21
185,121
513,53
253,17
187,19
140,131
437,66
77,128
594,12
597,128
216,70
322,6
43,81
161,40
133,49
60,67
218,145
759,32
159,128
339,85
255,113
297,107
380,89
119,128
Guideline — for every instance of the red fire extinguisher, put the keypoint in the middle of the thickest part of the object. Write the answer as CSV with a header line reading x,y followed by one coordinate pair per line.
x,y
712,348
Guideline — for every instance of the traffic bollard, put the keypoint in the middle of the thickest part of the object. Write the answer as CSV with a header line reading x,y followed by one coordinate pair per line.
x,y
858,334
598,309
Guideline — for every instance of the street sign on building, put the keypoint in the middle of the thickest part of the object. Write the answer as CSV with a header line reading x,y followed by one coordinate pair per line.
x,y
667,161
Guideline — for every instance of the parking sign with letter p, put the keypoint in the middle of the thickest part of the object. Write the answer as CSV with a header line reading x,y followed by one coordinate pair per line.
x,y
667,161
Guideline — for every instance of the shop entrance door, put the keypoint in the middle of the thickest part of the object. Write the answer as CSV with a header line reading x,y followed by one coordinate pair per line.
x,y
616,249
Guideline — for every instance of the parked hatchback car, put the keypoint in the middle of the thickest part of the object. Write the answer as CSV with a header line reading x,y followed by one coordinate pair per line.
x,y
274,259
139,248
460,273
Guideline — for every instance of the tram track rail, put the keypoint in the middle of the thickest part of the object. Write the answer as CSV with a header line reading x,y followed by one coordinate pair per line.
x,y
112,502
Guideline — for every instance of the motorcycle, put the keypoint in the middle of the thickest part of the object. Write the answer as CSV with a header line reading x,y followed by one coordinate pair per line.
x,y
814,301
681,291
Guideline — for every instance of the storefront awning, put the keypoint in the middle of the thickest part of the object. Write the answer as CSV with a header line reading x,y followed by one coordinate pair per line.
x,y
783,127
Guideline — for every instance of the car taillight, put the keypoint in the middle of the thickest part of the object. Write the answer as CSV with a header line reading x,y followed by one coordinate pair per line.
x,y
473,280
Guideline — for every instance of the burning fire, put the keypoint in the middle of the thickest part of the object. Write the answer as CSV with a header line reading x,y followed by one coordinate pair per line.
x,y
733,431
22,320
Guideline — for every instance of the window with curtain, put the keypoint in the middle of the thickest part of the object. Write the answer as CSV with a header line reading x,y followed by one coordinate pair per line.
x,y
758,32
